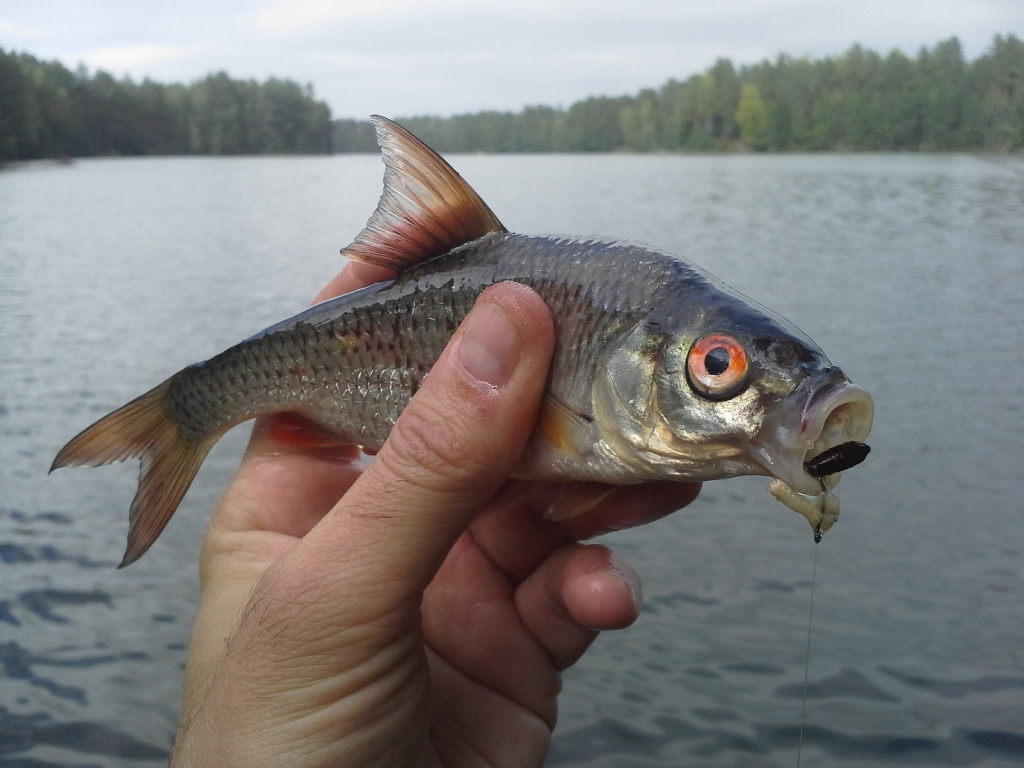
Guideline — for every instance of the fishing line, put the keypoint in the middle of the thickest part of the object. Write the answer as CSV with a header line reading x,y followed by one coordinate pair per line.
x,y
807,655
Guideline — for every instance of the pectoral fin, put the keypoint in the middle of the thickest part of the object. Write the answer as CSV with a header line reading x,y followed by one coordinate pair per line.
x,y
566,432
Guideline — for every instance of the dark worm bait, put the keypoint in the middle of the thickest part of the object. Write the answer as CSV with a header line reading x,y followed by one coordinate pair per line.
x,y
837,459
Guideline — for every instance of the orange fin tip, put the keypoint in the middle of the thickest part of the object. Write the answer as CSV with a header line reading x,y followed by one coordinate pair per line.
x,y
142,429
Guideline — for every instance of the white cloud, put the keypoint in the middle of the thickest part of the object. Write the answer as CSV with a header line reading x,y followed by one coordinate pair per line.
x,y
15,31
299,17
141,57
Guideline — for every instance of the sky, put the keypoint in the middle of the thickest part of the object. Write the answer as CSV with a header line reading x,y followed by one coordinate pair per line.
x,y
441,57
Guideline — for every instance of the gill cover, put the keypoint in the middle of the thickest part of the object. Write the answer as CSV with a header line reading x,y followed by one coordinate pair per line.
x,y
665,425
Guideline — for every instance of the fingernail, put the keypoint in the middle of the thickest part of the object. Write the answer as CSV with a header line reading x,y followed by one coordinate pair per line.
x,y
491,347
625,572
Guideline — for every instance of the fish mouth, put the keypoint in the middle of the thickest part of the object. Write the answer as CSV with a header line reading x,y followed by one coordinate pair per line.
x,y
819,416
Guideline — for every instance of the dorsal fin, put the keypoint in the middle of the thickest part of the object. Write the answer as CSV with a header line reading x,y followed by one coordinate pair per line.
x,y
426,208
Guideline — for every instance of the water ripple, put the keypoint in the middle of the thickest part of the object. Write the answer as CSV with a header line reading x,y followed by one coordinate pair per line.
x,y
957,689
17,664
847,684
41,602
670,739
20,733
14,554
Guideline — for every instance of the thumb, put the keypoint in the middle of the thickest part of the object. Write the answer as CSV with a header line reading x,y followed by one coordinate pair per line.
x,y
449,452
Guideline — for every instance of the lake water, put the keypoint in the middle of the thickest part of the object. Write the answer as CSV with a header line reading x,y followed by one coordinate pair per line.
x,y
907,270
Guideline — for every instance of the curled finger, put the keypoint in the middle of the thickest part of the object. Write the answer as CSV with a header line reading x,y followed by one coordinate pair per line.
x,y
518,531
602,509
577,592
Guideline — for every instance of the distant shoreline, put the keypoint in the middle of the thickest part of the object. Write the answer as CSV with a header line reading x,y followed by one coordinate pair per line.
x,y
857,102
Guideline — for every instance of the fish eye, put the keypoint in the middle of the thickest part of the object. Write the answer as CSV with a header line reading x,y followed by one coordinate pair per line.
x,y
717,366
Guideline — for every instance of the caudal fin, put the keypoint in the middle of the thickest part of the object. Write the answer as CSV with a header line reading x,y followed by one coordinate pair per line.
x,y
142,429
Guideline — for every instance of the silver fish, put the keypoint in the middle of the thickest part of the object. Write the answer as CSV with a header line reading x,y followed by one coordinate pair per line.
x,y
660,370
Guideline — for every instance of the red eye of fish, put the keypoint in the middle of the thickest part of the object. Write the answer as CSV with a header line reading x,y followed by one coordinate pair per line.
x,y
717,366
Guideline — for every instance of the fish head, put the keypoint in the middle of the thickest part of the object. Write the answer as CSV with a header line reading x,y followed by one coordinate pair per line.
x,y
725,389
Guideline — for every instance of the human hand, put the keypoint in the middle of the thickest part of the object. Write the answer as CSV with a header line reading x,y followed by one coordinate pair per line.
x,y
416,611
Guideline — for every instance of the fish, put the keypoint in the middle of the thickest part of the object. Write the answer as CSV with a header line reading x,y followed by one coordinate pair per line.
x,y
660,370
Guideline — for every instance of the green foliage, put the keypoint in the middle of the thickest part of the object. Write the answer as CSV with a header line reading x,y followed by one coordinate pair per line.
x,y
996,118
752,118
48,111
354,136
859,101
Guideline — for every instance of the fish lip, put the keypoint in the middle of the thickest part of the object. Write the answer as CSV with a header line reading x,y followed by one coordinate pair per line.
x,y
818,416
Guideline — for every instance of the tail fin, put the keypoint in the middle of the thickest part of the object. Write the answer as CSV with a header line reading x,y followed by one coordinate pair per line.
x,y
142,429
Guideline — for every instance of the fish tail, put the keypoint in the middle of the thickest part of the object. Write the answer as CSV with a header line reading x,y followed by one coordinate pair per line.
x,y
142,429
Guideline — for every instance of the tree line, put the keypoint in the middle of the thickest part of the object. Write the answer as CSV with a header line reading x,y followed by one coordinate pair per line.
x,y
936,101
47,110
859,101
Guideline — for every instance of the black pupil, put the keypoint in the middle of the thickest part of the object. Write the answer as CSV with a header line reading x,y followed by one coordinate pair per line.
x,y
716,361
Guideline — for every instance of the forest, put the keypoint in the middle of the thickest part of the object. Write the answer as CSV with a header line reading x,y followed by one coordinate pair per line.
x,y
857,101
48,111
